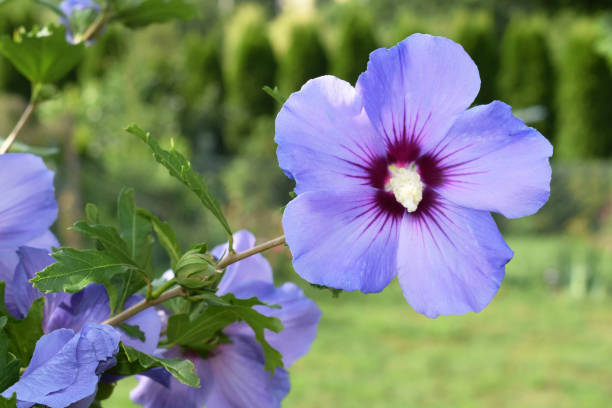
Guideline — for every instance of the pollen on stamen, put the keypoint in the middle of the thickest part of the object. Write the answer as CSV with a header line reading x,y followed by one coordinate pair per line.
x,y
406,185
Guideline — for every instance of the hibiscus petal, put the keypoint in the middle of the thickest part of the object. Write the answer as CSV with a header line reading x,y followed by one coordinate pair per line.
x,y
150,393
64,367
412,91
253,268
299,315
21,293
494,162
325,140
148,321
451,260
27,203
91,305
342,239
240,379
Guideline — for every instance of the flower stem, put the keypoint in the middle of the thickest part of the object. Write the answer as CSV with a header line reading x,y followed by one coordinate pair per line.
x,y
231,257
162,294
94,28
27,113
167,285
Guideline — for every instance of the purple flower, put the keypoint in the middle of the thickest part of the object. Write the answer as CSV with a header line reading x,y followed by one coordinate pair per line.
x,y
65,314
396,177
66,366
27,203
81,14
233,375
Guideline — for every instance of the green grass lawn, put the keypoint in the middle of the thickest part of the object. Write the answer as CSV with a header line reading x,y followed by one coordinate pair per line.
x,y
530,348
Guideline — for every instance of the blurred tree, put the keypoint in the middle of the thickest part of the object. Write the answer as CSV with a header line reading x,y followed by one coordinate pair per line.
x,y
202,88
583,100
305,58
248,65
527,77
475,31
356,40
107,50
405,25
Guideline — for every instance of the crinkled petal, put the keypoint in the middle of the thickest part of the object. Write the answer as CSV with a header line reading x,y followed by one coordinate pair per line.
x,y
64,367
152,394
299,315
253,268
27,203
91,305
451,260
20,294
240,379
325,139
342,239
74,311
492,161
413,90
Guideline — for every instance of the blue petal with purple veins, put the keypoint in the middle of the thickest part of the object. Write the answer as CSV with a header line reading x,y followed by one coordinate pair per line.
x,y
409,192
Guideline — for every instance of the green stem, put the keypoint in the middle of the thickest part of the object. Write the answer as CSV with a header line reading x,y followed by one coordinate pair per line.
x,y
163,294
25,116
167,285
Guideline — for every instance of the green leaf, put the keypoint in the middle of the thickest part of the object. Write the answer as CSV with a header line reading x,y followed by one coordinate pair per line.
x,y
156,11
165,235
9,365
74,270
109,238
135,229
275,93
42,55
92,214
53,7
22,334
197,333
133,331
8,403
119,286
179,167
131,361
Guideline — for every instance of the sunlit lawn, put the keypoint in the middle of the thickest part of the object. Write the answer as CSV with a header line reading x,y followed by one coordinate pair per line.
x,y
530,347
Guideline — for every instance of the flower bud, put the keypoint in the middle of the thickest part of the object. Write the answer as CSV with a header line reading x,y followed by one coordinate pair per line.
x,y
196,269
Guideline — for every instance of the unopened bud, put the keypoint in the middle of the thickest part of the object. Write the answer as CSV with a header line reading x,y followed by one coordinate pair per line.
x,y
196,270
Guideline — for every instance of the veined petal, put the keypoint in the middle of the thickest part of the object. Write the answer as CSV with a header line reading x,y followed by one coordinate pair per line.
x,y
299,315
451,260
240,379
342,239
492,161
27,203
253,268
413,91
325,140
